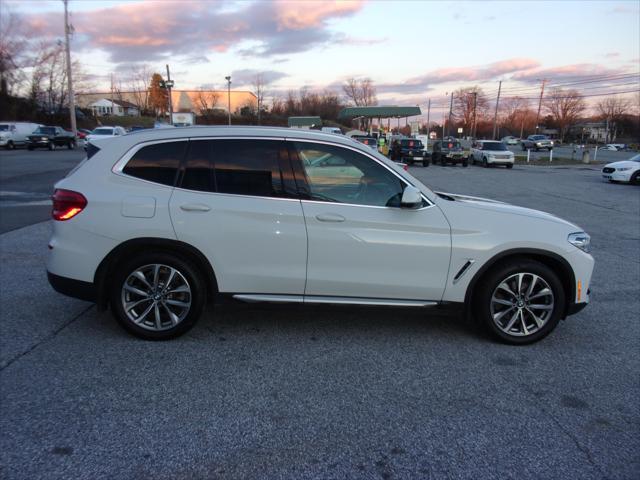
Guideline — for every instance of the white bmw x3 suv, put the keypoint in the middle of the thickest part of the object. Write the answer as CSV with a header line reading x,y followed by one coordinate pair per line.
x,y
157,223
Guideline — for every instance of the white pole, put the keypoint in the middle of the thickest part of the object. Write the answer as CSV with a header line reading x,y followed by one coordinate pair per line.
x,y
595,153
528,154
551,155
72,100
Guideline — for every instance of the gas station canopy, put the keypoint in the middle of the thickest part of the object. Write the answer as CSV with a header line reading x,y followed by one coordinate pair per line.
x,y
380,112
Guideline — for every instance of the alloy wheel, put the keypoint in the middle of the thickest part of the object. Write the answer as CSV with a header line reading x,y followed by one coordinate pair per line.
x,y
156,297
522,304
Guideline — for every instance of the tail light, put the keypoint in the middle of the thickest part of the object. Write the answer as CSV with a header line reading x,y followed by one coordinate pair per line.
x,y
406,167
67,204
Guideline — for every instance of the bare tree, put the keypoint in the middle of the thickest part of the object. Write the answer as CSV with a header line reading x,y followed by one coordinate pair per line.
x,y
517,115
139,83
612,109
207,101
362,93
13,53
259,90
565,108
469,104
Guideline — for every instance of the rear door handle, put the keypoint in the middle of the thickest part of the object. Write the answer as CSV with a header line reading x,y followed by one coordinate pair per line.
x,y
195,207
330,217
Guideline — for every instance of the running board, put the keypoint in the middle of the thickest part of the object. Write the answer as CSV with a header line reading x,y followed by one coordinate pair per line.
x,y
388,302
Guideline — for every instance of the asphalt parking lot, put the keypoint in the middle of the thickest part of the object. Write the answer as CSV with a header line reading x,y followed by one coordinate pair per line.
x,y
331,393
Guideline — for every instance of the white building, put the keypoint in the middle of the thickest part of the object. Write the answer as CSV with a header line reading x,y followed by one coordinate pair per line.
x,y
118,108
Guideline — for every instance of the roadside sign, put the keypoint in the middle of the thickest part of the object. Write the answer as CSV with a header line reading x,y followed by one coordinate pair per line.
x,y
459,129
415,128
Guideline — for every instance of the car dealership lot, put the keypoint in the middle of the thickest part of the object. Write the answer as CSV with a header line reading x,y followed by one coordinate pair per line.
x,y
290,392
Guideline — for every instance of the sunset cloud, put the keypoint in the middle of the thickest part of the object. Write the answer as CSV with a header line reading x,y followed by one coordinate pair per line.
x,y
567,72
146,31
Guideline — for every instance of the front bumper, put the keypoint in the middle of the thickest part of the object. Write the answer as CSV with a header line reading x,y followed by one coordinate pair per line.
x,y
618,176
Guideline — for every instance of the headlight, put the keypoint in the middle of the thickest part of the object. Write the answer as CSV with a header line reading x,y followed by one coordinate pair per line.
x,y
581,240
623,169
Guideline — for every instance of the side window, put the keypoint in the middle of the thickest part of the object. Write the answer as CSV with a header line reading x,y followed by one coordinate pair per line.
x,y
198,168
337,174
248,167
157,163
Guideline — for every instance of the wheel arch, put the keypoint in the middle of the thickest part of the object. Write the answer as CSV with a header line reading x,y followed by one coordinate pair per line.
x,y
107,266
552,260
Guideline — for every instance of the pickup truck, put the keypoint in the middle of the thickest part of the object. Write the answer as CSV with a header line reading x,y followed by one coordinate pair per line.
x,y
536,142
51,137
449,151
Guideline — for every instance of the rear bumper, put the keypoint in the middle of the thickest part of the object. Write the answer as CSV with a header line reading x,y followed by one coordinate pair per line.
x,y
72,287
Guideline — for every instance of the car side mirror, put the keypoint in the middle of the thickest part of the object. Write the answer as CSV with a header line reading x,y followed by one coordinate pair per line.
x,y
411,198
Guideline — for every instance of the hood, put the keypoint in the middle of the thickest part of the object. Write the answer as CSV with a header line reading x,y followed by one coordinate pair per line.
x,y
623,164
497,206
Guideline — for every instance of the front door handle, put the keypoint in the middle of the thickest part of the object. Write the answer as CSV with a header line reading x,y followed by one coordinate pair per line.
x,y
195,207
330,217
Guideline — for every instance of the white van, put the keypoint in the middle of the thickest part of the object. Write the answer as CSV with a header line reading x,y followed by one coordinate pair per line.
x,y
13,134
332,130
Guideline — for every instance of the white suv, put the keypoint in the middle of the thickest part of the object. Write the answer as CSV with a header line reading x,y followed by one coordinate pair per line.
x,y
157,223
491,152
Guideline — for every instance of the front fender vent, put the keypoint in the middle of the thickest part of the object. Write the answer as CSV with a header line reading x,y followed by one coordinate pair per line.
x,y
463,270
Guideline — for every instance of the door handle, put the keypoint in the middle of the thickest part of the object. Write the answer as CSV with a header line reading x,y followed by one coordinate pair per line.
x,y
330,217
195,207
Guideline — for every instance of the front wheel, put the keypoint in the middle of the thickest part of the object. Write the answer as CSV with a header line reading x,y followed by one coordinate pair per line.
x,y
51,146
465,162
71,145
10,145
157,296
509,165
485,164
425,162
635,178
520,302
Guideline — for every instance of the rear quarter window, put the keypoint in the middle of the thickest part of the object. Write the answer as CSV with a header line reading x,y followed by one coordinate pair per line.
x,y
157,163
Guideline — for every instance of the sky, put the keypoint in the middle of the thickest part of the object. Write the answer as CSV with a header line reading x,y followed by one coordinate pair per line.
x,y
412,50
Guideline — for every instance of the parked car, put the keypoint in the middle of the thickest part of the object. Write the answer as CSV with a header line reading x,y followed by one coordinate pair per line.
x,y
509,140
51,137
536,142
490,152
609,147
82,133
627,171
370,142
410,151
449,151
14,134
100,133
155,225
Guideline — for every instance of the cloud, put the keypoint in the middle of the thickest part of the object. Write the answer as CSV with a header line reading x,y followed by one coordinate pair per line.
x,y
423,83
248,75
611,54
148,31
567,72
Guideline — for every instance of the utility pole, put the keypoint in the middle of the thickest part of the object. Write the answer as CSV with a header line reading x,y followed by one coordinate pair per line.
x,y
111,77
475,104
72,99
428,116
495,115
169,84
450,110
228,79
544,80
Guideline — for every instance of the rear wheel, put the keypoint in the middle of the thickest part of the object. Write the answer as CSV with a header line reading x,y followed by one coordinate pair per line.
x,y
10,145
635,178
51,146
71,145
425,162
520,302
524,148
465,162
157,296
509,165
485,164
29,147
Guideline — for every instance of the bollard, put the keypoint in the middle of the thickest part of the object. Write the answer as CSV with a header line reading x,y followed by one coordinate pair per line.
x,y
595,153
551,155
585,156
528,154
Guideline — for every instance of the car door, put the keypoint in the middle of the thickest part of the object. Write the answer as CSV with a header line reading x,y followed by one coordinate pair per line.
x,y
236,202
361,243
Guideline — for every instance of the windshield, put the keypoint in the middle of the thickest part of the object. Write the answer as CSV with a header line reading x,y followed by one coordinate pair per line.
x,y
538,137
102,131
411,143
635,158
46,130
4,128
367,141
494,146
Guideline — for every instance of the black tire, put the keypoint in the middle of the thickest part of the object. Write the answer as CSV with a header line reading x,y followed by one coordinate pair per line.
x,y
29,147
51,146
550,148
10,145
489,283
188,271
465,162
425,162
485,164
524,148
509,165
71,145
635,178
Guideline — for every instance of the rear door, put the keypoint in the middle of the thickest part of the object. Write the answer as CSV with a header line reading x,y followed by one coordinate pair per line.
x,y
236,203
361,243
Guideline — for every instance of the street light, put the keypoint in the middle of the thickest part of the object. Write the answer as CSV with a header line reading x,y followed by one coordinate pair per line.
x,y
228,79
